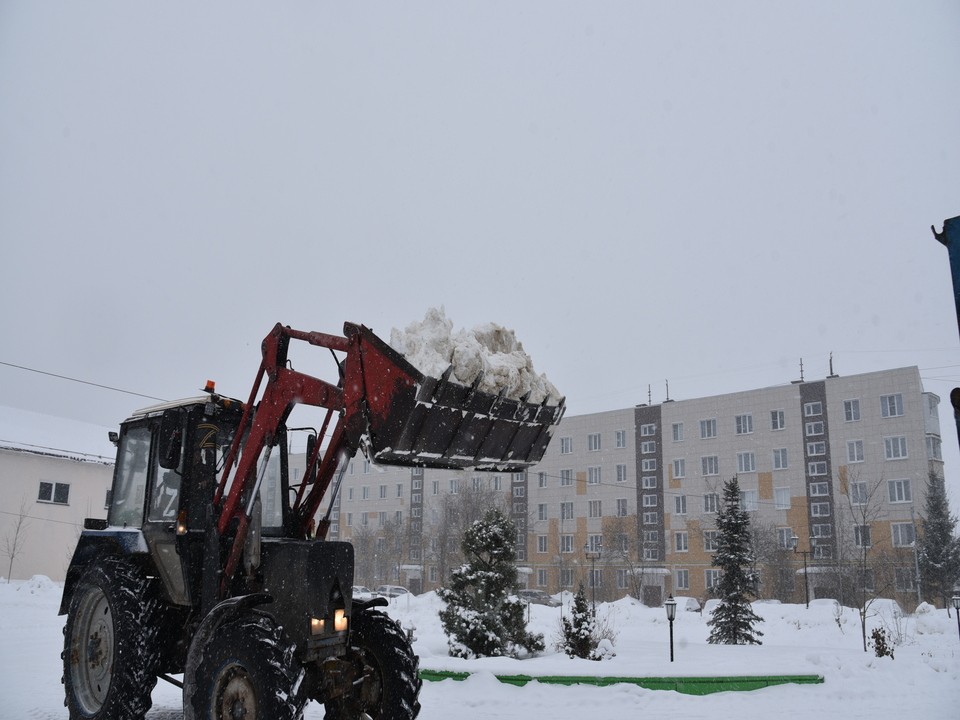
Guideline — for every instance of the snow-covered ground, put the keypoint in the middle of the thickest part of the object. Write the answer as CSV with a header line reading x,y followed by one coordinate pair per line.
x,y
923,681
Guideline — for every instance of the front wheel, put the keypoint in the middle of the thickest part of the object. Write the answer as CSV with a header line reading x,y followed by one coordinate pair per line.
x,y
248,672
110,644
384,657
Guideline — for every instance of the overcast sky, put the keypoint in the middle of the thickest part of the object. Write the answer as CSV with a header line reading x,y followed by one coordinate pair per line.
x,y
698,192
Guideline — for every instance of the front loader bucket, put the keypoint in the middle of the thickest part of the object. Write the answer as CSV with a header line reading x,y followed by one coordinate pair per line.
x,y
421,421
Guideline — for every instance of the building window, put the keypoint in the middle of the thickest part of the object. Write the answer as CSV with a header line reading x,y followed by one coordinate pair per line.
x,y
649,482
899,491
682,578
680,501
454,486
621,507
621,473
822,552
708,428
861,536
365,492
784,537
818,489
650,518
646,430
817,448
651,553
748,500
623,579
595,543
679,468
903,534
744,424
746,462
54,492
648,446
541,543
781,498
566,577
891,405
648,465
895,448
594,508
812,408
349,519
416,498
681,542
814,428
711,502
678,432
780,459
649,500
566,445
822,530
541,479
566,544
593,442
621,437
776,420
542,511
851,410
858,493
711,578
436,487
820,509
934,448
566,510
905,579
710,465
593,475
816,469
519,491
497,482
710,540
383,492
541,577
566,478
855,451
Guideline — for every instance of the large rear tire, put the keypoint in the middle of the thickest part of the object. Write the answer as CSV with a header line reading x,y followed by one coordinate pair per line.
x,y
382,653
110,651
248,672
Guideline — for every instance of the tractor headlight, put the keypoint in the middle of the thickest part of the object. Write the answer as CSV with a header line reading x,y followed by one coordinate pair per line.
x,y
340,623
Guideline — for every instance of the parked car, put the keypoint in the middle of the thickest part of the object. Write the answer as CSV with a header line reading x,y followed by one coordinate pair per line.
x,y
710,605
537,597
390,591
361,593
688,604
831,603
886,609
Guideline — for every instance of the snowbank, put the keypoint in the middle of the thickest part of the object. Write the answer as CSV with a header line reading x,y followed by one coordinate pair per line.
x,y
489,353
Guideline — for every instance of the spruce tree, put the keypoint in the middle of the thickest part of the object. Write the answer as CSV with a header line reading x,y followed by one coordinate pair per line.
x,y
732,623
938,548
579,632
483,617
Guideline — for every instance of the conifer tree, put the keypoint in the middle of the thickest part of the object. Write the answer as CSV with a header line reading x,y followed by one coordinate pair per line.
x,y
733,622
579,632
483,618
938,548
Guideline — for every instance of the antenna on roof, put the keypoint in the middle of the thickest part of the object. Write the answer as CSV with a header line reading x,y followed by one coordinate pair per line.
x,y
801,369
668,389
832,374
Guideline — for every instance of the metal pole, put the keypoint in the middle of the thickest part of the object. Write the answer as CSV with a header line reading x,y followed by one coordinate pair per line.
x,y
671,638
806,580
593,582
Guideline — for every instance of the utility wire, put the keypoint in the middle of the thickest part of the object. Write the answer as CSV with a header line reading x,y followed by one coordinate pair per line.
x,y
82,382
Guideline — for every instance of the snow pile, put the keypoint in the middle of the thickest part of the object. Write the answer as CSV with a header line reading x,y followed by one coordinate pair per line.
x,y
489,352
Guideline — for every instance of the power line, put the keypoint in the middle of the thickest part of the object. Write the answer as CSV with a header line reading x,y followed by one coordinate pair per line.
x,y
82,382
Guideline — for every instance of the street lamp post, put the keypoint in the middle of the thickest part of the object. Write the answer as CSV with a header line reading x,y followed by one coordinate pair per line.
x,y
806,582
671,606
593,556
956,606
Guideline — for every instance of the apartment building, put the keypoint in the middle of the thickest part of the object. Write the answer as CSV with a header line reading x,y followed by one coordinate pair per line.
x,y
625,500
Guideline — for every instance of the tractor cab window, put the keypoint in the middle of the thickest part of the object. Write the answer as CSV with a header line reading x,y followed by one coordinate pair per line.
x,y
130,478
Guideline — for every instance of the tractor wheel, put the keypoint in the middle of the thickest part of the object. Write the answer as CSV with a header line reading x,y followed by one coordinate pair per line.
x,y
110,650
383,654
248,672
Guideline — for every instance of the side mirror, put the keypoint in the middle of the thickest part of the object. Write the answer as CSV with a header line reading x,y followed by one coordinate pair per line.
x,y
170,439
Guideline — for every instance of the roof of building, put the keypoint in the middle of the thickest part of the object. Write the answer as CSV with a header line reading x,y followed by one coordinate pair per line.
x,y
32,432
